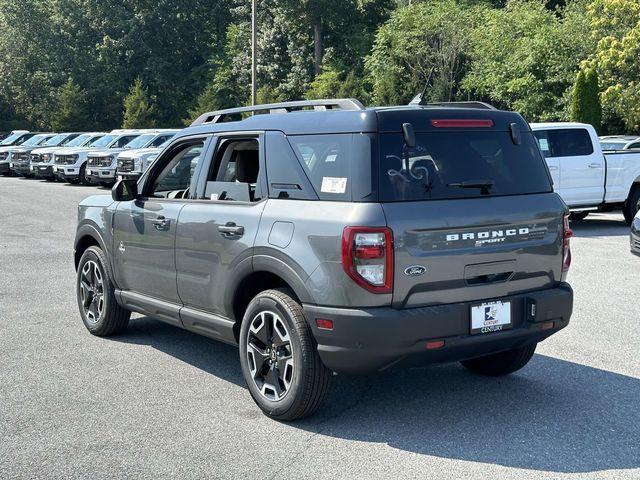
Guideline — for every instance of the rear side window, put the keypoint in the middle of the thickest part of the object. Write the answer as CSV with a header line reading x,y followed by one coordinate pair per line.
x,y
338,166
464,164
564,142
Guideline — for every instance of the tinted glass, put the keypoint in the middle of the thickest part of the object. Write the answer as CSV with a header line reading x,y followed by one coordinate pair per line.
x,y
161,140
56,140
565,142
175,179
338,166
79,140
608,146
11,138
122,141
462,164
104,141
35,141
141,141
634,146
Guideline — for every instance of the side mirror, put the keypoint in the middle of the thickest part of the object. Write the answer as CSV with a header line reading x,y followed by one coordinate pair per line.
x,y
125,190
409,135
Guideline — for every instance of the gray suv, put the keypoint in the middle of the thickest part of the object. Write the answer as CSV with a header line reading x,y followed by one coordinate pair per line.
x,y
322,237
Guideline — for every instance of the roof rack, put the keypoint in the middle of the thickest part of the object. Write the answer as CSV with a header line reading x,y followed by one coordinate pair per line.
x,y
219,116
417,100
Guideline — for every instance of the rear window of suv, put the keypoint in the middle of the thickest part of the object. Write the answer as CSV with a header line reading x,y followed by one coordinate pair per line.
x,y
463,164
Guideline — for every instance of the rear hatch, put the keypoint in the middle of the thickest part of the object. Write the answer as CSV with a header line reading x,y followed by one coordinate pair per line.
x,y
471,208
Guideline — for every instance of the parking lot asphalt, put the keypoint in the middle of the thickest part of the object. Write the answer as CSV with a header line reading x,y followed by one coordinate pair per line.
x,y
159,402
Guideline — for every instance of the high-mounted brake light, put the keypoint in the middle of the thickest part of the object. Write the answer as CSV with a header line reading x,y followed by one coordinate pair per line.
x,y
462,123
567,233
367,257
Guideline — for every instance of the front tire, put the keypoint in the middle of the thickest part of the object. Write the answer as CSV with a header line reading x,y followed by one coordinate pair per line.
x,y
279,358
82,177
502,363
99,310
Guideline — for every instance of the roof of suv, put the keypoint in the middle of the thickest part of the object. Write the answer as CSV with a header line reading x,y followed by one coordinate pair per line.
x,y
353,118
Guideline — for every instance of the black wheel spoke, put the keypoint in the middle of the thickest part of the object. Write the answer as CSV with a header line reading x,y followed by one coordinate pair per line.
x,y
269,355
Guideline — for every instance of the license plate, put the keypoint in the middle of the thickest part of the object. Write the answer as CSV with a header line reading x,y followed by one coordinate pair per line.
x,y
490,317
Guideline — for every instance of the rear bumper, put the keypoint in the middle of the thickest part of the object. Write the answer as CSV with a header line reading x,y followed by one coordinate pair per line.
x,y
368,340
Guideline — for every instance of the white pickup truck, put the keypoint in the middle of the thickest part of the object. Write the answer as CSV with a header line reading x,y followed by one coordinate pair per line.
x,y
585,178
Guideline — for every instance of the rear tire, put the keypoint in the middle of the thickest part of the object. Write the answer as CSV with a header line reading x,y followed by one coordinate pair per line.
x,y
578,216
631,205
502,363
99,310
279,358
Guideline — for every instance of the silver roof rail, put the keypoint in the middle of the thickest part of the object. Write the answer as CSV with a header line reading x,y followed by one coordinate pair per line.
x,y
417,100
284,107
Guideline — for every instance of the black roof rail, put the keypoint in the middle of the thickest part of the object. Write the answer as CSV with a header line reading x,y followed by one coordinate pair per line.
x,y
284,107
417,100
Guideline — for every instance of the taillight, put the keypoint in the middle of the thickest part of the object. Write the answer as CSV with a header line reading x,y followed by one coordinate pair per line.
x,y
367,257
567,233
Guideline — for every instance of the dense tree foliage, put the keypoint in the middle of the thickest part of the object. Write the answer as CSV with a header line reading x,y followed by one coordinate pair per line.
x,y
585,104
194,55
139,111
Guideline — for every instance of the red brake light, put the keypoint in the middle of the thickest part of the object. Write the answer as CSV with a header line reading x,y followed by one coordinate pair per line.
x,y
462,123
567,233
367,257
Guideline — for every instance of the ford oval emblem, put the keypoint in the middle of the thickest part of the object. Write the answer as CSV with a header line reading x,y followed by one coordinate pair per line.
x,y
415,270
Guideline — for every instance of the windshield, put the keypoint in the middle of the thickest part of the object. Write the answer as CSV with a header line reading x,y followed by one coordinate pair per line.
x,y
11,138
79,140
141,141
464,164
612,145
104,141
56,140
35,141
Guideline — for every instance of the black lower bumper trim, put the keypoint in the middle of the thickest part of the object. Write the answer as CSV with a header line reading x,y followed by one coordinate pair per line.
x,y
371,339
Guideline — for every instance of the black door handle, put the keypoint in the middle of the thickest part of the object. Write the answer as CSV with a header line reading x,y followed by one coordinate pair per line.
x,y
161,223
231,230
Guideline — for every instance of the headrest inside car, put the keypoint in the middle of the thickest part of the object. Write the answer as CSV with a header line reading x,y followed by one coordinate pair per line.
x,y
247,166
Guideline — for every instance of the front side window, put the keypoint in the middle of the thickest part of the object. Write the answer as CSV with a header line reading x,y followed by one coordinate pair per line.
x,y
464,164
161,140
235,170
565,142
122,141
174,180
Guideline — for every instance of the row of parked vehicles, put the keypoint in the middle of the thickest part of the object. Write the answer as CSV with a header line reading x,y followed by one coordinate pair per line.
x,y
82,157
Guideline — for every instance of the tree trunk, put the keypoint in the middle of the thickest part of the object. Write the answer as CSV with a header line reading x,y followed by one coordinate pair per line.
x,y
317,47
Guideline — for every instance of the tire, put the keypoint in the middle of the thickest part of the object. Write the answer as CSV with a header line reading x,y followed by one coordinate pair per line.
x,y
82,178
101,314
631,205
578,216
502,363
289,382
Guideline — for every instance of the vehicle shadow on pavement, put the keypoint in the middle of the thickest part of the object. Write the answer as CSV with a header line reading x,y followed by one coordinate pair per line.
x,y
552,416
600,227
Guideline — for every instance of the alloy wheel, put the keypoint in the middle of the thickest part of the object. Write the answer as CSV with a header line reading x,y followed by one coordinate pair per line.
x,y
92,291
270,355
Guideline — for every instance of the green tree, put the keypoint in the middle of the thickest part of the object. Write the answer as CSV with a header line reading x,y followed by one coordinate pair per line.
x,y
526,57
616,60
138,108
422,43
71,112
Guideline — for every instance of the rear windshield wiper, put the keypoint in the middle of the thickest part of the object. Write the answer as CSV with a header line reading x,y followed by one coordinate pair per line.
x,y
483,185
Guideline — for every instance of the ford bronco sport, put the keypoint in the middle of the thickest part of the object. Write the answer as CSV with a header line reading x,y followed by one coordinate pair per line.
x,y
322,237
